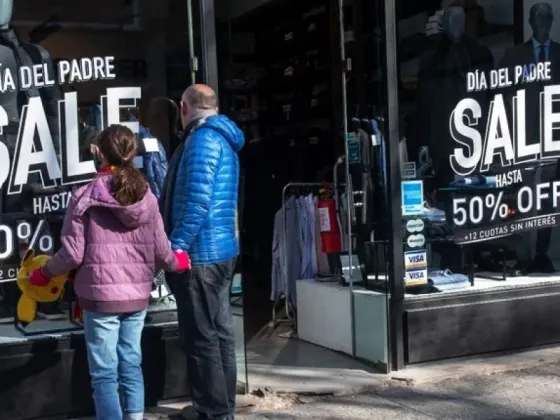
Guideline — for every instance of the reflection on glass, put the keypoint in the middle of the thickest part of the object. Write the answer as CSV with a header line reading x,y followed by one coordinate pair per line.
x,y
479,95
61,83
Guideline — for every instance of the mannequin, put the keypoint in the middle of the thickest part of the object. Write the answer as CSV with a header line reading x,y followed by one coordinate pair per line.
x,y
163,122
540,47
13,54
442,83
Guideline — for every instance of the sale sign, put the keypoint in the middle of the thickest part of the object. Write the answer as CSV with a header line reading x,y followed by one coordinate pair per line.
x,y
40,170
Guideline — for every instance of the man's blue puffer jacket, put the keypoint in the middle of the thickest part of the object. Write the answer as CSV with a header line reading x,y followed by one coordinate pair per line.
x,y
204,206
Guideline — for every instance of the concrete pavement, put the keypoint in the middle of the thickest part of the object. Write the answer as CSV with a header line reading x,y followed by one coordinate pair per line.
x,y
532,393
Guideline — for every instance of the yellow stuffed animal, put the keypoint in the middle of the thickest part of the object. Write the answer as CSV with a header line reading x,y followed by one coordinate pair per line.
x,y
31,295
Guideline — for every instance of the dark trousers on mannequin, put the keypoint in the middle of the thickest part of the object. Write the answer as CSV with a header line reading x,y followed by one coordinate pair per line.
x,y
542,261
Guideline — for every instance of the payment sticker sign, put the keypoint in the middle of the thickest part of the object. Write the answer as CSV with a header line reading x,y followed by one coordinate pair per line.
x,y
415,225
412,196
416,277
415,260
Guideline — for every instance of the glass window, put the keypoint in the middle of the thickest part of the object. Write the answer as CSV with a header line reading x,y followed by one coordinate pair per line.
x,y
479,90
67,70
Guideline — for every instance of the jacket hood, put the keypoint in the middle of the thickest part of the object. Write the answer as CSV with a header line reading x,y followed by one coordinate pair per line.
x,y
97,194
228,129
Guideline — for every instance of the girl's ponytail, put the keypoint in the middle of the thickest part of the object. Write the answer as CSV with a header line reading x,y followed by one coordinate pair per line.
x,y
119,146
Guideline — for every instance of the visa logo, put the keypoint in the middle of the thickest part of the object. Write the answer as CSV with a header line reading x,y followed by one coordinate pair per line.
x,y
415,259
416,277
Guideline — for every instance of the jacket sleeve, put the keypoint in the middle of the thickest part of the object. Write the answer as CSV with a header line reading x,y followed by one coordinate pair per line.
x,y
160,169
155,165
194,187
165,259
73,239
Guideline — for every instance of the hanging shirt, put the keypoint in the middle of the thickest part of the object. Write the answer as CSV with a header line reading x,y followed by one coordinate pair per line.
x,y
286,267
305,238
309,200
278,275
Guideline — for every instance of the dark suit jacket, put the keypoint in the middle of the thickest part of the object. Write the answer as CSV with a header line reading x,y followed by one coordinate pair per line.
x,y
442,83
524,54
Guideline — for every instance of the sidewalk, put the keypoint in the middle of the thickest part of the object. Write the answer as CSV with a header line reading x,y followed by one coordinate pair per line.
x,y
293,379
291,366
515,386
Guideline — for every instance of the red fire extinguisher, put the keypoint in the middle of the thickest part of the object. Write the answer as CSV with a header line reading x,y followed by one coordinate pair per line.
x,y
330,232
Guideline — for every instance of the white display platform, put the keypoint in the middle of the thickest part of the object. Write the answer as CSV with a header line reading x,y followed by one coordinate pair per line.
x,y
324,315
324,318
371,326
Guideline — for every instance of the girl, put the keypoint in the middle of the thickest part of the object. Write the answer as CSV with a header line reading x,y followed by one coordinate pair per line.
x,y
113,235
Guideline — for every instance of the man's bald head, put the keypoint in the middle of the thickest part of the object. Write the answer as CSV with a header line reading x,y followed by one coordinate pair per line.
x,y
196,99
200,97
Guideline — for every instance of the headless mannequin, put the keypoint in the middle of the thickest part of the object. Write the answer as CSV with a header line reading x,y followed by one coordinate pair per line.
x,y
442,83
13,54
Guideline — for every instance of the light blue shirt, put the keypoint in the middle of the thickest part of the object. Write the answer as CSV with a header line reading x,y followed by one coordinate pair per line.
x,y
537,49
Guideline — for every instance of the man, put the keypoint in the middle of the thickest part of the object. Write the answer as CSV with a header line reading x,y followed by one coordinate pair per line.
x,y
199,206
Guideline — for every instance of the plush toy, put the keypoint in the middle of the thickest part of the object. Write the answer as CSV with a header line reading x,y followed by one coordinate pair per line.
x,y
30,294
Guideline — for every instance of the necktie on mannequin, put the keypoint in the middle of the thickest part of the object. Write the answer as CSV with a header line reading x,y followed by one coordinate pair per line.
x,y
542,54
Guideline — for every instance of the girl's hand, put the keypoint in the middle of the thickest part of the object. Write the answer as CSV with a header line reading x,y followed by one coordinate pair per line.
x,y
183,260
37,278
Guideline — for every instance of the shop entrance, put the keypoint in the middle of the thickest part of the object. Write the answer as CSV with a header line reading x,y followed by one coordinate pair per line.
x,y
303,80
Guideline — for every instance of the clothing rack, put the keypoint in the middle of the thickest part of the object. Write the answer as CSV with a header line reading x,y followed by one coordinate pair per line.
x,y
291,189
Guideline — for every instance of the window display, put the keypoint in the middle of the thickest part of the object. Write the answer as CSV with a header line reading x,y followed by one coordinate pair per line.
x,y
63,79
480,98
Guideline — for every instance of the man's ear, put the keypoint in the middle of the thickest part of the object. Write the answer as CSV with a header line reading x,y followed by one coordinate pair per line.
x,y
184,109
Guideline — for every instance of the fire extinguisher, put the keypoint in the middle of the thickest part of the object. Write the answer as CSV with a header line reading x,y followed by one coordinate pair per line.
x,y
330,232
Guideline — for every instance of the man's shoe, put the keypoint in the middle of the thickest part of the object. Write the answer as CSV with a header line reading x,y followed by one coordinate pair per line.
x,y
189,413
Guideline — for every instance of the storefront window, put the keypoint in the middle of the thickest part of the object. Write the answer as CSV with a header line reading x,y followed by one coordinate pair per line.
x,y
479,90
67,70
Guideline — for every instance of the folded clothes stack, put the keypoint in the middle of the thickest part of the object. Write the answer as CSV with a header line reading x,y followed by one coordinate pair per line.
x,y
474,181
433,214
444,280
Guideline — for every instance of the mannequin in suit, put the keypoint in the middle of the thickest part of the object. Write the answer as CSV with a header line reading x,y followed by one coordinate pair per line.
x,y
442,83
13,54
163,122
539,48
